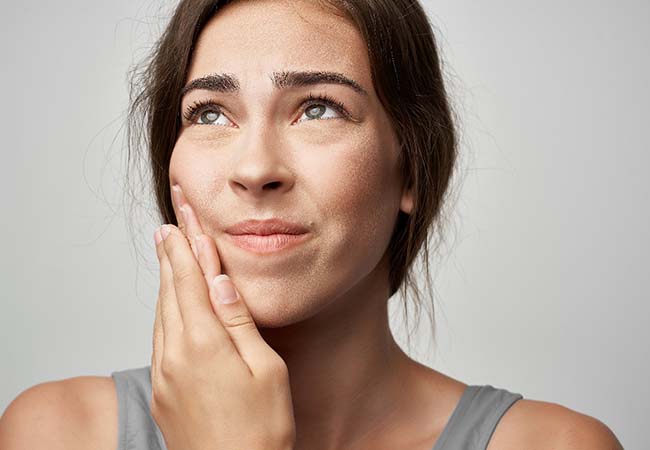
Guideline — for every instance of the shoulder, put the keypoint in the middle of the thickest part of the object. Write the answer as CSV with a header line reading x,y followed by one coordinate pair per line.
x,y
74,413
538,425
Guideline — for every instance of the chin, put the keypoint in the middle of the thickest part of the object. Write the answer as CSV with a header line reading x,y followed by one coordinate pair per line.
x,y
271,305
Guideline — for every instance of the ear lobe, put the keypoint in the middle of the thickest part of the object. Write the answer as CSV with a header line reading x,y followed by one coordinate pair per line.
x,y
406,203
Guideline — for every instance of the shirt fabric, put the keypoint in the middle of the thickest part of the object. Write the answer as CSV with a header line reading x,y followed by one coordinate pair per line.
x,y
470,426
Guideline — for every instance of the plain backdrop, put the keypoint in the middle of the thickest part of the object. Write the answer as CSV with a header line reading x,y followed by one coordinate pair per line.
x,y
544,292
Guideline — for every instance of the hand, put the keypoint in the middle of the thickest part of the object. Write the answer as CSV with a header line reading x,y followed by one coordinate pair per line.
x,y
216,384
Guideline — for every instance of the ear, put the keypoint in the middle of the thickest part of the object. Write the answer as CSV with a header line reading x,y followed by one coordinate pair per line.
x,y
406,203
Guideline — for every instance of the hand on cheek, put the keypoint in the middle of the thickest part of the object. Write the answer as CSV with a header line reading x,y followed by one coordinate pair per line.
x,y
204,347
203,246
187,220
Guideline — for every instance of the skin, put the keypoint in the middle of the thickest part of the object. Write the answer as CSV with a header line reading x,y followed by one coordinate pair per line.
x,y
315,341
209,362
322,307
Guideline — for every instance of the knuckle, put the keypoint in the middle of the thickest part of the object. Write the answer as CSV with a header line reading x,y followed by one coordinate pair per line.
x,y
170,365
239,321
197,337
168,243
183,276
157,406
157,400
275,367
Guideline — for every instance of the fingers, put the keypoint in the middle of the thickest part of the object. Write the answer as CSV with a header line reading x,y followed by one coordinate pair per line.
x,y
177,203
193,226
158,344
171,320
191,290
187,303
158,341
206,248
238,322
189,284
187,222
208,257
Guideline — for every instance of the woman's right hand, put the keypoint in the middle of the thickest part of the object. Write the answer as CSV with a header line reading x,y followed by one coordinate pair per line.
x,y
215,382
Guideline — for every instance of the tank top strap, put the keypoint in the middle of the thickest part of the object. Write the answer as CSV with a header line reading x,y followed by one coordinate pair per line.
x,y
137,429
469,427
475,418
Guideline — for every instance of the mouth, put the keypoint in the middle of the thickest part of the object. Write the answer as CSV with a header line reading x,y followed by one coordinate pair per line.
x,y
266,244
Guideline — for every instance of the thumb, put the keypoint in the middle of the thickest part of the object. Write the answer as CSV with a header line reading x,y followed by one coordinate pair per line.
x,y
238,322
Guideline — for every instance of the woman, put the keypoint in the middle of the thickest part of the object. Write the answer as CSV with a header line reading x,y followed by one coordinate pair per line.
x,y
301,154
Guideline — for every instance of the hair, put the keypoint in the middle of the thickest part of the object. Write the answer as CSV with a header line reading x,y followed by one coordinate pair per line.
x,y
407,76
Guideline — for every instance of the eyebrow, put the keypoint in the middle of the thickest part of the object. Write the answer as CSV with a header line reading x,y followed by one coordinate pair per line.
x,y
227,83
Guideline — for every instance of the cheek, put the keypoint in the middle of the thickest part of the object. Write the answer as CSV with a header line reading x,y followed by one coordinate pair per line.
x,y
197,171
362,204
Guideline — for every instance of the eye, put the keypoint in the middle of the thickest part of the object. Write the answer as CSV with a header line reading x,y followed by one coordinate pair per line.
x,y
317,105
207,112
204,112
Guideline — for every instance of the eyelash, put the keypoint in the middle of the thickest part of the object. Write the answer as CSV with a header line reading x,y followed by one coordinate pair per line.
x,y
197,107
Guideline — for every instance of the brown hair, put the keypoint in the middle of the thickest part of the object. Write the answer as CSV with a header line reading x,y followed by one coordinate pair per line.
x,y
407,76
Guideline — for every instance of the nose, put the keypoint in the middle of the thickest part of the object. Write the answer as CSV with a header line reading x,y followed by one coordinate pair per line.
x,y
261,166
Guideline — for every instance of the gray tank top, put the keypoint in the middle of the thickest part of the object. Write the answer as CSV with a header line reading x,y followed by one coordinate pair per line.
x,y
470,426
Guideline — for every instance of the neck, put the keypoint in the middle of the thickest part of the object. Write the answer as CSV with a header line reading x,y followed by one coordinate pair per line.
x,y
345,368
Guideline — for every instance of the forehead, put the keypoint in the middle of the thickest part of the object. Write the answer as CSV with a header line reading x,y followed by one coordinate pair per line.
x,y
254,38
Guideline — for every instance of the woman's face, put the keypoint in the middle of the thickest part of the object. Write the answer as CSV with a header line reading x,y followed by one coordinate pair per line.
x,y
264,153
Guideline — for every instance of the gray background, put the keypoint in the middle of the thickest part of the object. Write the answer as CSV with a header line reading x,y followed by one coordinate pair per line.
x,y
543,291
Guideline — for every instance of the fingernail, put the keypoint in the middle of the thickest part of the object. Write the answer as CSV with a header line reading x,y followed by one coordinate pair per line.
x,y
224,289
197,246
176,192
157,236
184,212
164,231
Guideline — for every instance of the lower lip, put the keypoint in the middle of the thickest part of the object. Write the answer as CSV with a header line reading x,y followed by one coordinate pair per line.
x,y
267,244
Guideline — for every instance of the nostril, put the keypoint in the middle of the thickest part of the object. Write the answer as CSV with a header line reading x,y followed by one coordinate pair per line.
x,y
272,185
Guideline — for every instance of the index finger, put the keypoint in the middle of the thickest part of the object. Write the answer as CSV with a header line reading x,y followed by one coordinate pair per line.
x,y
191,288
192,227
180,211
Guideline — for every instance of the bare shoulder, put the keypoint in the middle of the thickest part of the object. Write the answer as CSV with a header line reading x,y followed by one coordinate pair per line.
x,y
538,425
74,413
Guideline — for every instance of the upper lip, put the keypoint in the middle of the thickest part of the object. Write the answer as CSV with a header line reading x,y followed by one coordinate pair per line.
x,y
266,227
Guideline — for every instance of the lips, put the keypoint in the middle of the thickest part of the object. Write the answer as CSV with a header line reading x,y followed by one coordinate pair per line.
x,y
266,227
267,236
